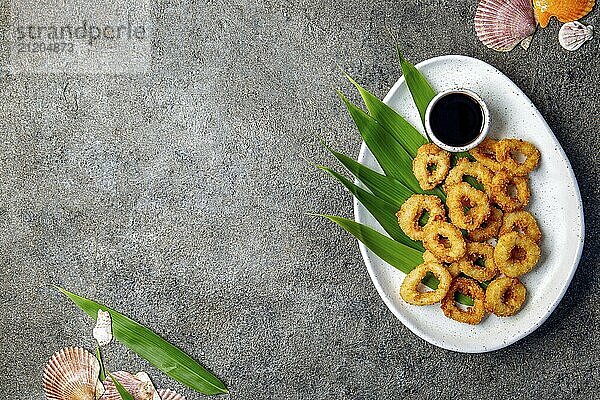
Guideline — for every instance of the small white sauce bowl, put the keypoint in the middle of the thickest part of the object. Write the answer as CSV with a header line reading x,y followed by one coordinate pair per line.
x,y
485,126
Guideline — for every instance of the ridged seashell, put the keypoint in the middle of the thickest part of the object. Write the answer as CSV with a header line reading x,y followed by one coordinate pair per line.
x,y
72,374
103,330
139,386
502,24
166,394
574,34
563,10
145,378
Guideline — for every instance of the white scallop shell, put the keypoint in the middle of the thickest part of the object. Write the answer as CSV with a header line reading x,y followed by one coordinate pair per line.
x,y
502,24
103,330
139,386
166,394
145,378
72,374
574,34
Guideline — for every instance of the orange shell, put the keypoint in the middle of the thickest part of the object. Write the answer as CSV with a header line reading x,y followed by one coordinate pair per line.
x,y
563,10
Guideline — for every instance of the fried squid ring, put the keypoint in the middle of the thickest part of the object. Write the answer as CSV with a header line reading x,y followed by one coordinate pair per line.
x,y
472,315
466,168
505,296
505,154
413,208
431,165
516,254
428,257
409,290
522,222
444,241
485,153
488,228
461,196
502,194
468,264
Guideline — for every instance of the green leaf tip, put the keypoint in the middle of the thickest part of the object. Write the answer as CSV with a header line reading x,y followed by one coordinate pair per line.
x,y
398,255
153,348
420,89
383,211
343,97
102,375
125,395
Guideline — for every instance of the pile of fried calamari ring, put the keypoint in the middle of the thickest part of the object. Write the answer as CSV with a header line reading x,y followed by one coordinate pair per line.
x,y
482,240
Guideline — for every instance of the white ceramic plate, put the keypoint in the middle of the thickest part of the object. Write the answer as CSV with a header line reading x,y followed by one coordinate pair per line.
x,y
555,202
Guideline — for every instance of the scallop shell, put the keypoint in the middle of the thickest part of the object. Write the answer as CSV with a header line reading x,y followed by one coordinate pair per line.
x,y
72,374
166,394
502,24
563,10
103,330
574,34
139,386
145,378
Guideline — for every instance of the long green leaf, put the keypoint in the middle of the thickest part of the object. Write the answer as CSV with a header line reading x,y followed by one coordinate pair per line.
x,y
421,91
125,395
384,212
160,353
394,123
394,253
390,155
382,186
102,375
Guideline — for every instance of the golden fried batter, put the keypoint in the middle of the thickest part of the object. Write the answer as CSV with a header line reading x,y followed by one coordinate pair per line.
x,y
451,267
409,290
522,222
516,254
461,196
466,168
472,315
502,194
468,264
485,153
488,228
413,208
505,150
431,165
444,241
505,296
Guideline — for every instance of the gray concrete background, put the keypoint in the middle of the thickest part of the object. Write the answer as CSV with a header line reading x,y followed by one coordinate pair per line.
x,y
178,197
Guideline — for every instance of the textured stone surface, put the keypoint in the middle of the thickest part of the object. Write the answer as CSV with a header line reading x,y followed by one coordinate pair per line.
x,y
179,198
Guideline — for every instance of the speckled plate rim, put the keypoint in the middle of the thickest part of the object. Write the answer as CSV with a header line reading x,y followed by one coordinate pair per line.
x,y
360,216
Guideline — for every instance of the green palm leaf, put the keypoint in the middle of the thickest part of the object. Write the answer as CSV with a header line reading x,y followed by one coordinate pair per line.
x,y
396,254
420,90
382,186
390,155
102,375
125,395
157,351
422,94
394,123
384,212
394,143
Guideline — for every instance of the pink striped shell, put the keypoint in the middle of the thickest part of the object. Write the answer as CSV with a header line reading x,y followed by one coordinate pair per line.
x,y
140,389
166,394
72,374
503,24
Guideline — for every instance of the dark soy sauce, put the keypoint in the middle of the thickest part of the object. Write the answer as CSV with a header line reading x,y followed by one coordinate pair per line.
x,y
456,119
